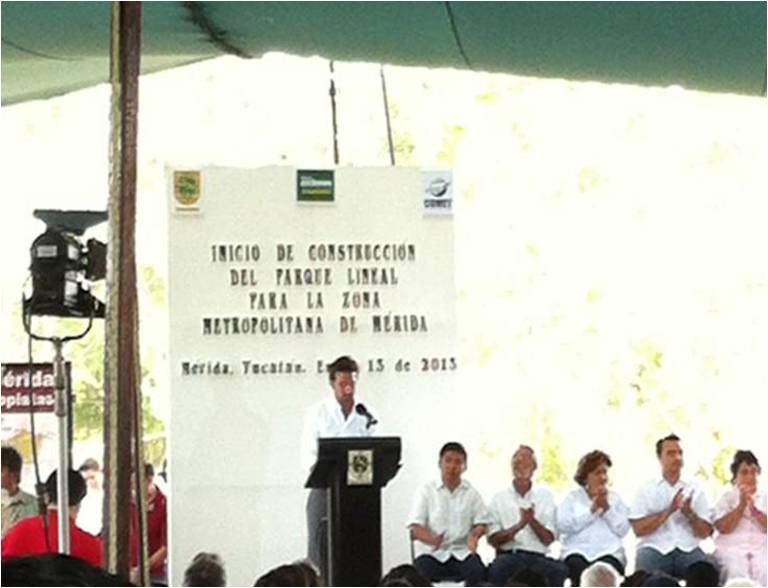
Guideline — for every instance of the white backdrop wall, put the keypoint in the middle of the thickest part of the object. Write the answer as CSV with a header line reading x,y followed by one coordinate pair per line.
x,y
236,475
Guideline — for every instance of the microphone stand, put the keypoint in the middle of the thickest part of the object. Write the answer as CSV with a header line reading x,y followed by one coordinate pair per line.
x,y
369,418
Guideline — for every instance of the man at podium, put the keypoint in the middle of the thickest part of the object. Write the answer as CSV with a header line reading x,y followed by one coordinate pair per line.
x,y
337,416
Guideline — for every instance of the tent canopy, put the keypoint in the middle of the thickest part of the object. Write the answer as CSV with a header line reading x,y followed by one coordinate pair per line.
x,y
50,48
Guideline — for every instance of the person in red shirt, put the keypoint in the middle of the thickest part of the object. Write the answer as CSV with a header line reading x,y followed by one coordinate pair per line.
x,y
157,531
28,536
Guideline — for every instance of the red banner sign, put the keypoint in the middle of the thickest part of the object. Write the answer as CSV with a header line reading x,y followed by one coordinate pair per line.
x,y
23,388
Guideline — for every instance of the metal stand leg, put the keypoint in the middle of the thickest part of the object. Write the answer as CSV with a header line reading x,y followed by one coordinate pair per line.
x,y
59,378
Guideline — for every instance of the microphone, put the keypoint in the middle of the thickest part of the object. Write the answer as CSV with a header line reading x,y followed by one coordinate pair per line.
x,y
361,410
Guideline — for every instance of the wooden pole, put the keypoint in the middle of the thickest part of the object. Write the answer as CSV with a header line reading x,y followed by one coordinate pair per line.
x,y
122,399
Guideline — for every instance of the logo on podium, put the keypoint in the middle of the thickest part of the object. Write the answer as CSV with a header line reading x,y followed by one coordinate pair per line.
x,y
359,467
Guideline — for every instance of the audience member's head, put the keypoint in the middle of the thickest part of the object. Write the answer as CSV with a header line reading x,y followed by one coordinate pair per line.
x,y
404,575
660,579
91,472
702,573
206,569
637,578
11,467
311,574
76,488
55,569
527,577
285,575
600,574
89,464
149,481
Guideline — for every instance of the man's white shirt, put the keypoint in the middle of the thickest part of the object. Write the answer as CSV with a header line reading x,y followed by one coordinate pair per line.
x,y
505,512
676,532
89,517
452,514
592,534
326,419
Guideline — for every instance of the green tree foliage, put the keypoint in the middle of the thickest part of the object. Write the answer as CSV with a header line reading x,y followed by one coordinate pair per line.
x,y
402,138
489,97
88,389
661,412
589,179
152,285
404,148
547,440
721,465
451,140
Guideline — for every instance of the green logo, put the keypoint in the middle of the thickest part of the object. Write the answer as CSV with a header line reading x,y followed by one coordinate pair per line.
x,y
186,187
314,185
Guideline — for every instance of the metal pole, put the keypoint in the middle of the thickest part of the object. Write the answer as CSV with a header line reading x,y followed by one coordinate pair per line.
x,y
386,115
61,404
332,93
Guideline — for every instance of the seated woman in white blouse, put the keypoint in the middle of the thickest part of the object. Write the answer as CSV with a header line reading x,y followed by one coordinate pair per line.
x,y
592,521
740,544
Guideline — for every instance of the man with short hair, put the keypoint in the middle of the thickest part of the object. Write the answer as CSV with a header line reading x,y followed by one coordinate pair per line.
x,y
337,416
28,537
670,516
523,526
447,521
17,504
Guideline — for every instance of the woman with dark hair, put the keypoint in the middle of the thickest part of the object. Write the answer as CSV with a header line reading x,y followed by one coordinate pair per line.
x,y
740,544
592,520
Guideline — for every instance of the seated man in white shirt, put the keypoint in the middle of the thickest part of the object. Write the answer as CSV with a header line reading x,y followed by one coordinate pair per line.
x,y
338,416
670,516
447,521
523,525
